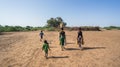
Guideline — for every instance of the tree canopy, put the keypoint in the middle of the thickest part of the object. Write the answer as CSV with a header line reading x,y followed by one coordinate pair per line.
x,y
55,22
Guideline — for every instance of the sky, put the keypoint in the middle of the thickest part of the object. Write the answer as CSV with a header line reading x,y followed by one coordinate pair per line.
x,y
73,12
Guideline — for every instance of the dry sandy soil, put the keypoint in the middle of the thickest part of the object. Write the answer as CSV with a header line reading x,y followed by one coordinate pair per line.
x,y
23,49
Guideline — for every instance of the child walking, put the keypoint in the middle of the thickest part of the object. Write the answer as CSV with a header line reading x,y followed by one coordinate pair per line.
x,y
45,48
62,38
41,34
80,40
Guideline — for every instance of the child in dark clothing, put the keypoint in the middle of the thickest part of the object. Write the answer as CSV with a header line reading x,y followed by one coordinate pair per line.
x,y
80,40
41,35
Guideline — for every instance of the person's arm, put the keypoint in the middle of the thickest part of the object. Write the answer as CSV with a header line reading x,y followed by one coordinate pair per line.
x,y
43,47
65,36
39,34
48,47
59,35
77,35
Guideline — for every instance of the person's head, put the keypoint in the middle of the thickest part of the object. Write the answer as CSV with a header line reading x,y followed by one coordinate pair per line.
x,y
45,41
41,31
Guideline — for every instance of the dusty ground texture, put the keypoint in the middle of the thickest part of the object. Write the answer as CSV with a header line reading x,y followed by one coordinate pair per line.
x,y
23,49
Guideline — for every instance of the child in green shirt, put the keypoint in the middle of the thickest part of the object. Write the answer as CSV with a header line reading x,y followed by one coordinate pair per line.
x,y
45,48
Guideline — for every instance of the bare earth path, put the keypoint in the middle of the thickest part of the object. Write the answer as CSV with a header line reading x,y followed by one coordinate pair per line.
x,y
23,49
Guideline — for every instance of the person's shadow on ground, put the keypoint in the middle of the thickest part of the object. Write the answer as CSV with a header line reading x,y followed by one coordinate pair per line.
x,y
56,57
89,48
70,43
85,48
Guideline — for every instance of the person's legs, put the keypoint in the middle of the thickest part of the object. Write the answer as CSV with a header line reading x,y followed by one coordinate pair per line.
x,y
41,37
79,43
59,41
63,43
46,54
78,40
61,47
80,46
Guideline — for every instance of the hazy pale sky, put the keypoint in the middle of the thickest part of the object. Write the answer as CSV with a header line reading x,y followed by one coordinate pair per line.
x,y
74,12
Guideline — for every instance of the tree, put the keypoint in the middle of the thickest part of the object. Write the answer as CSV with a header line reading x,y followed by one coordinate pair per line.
x,y
1,29
52,22
55,22
18,28
28,28
59,19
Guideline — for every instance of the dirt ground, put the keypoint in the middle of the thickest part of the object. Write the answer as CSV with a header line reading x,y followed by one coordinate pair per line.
x,y
23,49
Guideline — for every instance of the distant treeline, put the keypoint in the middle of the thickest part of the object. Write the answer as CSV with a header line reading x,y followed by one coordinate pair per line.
x,y
93,28
85,28
112,27
30,28
17,28
48,28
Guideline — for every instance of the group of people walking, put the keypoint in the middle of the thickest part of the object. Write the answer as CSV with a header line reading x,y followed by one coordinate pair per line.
x,y
62,40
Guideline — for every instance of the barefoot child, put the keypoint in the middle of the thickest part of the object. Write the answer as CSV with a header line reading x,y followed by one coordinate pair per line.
x,y
45,48
80,38
41,35
62,38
